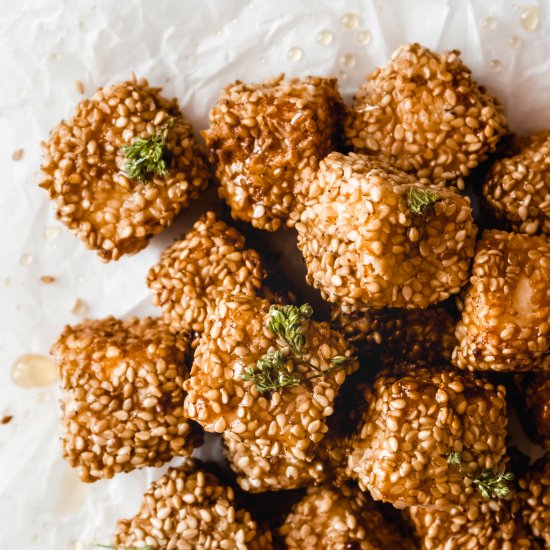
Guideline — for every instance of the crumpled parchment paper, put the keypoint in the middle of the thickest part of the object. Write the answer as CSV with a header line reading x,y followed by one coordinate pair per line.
x,y
192,49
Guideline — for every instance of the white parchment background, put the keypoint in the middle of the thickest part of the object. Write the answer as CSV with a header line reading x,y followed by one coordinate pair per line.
x,y
191,49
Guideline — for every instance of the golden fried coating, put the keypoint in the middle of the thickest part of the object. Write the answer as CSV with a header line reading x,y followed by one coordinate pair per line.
x,y
517,189
248,381
85,163
187,509
209,263
393,335
373,236
536,485
535,390
493,525
257,473
426,435
505,323
267,139
426,115
330,518
122,402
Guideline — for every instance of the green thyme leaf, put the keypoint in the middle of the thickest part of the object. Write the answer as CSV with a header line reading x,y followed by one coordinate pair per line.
x,y
286,323
454,458
148,156
493,484
419,199
271,373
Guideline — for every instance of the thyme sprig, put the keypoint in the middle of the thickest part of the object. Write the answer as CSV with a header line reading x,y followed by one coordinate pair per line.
x,y
419,199
271,372
286,323
490,483
148,156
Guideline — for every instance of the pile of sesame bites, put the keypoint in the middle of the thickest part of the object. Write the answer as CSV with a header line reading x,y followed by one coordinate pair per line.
x,y
384,422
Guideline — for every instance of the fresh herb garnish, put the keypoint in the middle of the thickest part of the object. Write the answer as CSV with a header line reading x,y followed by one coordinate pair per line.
x,y
286,323
148,156
271,372
418,200
491,484
454,458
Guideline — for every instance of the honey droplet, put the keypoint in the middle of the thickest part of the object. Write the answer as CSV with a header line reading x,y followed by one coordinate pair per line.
x,y
489,23
342,75
495,65
33,371
348,60
530,16
51,233
325,37
26,259
350,20
515,41
79,307
364,37
294,54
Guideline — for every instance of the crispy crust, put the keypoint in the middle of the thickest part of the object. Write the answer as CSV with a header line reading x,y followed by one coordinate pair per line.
x,y
83,164
267,139
536,487
493,525
189,508
210,262
409,425
122,402
425,114
392,335
364,247
330,518
288,422
517,188
505,323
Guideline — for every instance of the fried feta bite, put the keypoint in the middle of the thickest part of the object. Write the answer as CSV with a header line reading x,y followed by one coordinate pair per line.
x,y
505,323
373,236
259,471
267,375
122,168
517,188
267,139
340,518
426,115
122,396
535,392
209,263
189,508
393,335
493,525
535,487
431,437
